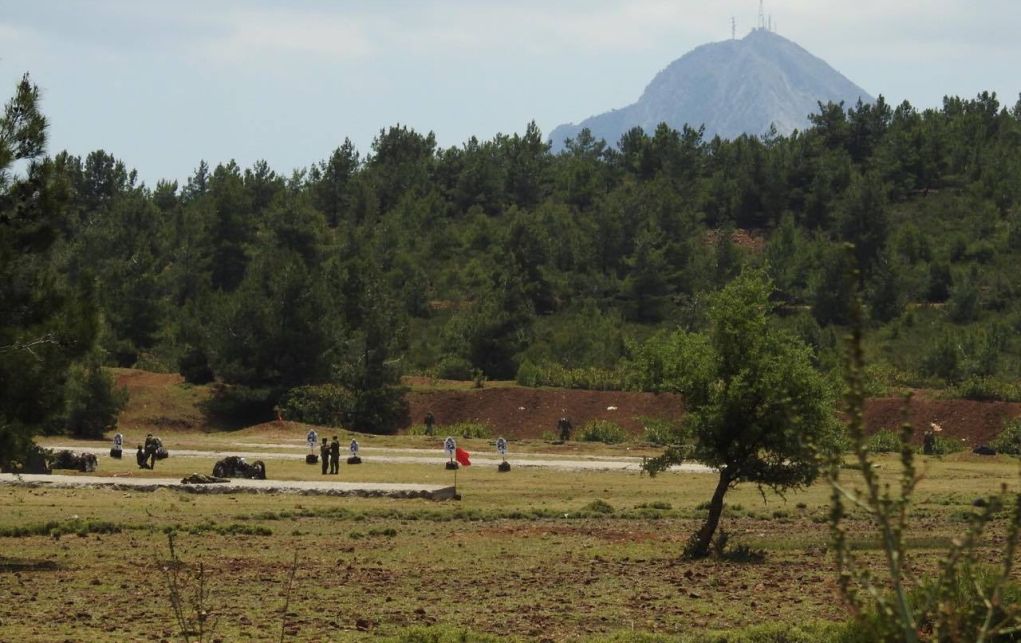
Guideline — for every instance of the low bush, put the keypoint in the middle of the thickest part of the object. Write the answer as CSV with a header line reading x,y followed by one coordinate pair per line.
x,y
985,389
884,441
1009,439
233,529
965,594
462,429
454,368
590,378
56,529
663,432
944,446
420,429
322,404
599,507
239,405
603,431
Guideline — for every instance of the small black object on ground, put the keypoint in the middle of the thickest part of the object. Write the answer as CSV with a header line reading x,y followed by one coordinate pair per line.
x,y
504,467
451,465
354,460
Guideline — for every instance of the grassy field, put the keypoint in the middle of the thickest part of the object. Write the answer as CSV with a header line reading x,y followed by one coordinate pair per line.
x,y
534,553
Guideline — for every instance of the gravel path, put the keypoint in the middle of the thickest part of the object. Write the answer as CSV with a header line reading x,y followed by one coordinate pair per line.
x,y
375,454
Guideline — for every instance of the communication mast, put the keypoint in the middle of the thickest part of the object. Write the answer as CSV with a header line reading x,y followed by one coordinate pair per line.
x,y
762,16
733,28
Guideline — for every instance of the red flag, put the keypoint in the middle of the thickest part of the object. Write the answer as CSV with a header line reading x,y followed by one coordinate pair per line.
x,y
462,457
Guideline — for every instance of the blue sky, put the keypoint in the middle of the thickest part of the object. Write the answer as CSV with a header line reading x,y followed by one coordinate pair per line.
x,y
163,85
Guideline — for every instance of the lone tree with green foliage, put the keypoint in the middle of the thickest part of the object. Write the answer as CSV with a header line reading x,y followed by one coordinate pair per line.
x,y
757,409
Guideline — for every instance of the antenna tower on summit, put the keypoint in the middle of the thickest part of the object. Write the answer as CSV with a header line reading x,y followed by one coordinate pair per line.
x,y
733,28
762,16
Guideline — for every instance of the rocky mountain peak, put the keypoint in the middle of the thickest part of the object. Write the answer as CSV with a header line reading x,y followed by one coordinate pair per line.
x,y
731,88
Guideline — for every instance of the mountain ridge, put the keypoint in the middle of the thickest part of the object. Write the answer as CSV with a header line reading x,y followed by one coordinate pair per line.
x,y
731,87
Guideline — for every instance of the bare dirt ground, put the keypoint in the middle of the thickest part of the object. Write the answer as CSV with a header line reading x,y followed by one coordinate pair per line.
x,y
972,422
161,402
518,413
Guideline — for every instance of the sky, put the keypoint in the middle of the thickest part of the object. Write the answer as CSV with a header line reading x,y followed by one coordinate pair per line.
x,y
164,84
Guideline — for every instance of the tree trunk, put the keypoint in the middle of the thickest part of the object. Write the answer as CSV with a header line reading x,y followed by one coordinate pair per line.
x,y
699,546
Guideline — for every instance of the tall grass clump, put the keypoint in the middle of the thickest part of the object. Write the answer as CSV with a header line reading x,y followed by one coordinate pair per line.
x,y
589,378
964,600
603,431
1009,439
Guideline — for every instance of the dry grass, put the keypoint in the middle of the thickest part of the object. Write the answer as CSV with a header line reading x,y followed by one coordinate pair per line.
x,y
522,553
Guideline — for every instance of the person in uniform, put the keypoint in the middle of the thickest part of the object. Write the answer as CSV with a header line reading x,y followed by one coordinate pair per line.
x,y
564,428
151,445
141,457
335,455
430,420
324,455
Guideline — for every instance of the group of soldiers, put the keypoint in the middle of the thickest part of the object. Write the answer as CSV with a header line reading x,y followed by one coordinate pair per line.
x,y
329,453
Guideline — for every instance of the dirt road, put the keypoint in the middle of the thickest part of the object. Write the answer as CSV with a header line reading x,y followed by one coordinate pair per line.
x,y
403,456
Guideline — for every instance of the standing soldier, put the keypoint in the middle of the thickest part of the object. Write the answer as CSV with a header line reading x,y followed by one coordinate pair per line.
x,y
324,455
151,447
430,420
335,455
564,428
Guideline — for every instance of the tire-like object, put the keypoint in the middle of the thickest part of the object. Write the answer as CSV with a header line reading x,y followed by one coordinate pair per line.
x,y
259,472
220,470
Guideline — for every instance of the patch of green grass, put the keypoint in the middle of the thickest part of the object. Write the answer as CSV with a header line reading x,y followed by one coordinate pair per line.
x,y
603,431
232,529
56,529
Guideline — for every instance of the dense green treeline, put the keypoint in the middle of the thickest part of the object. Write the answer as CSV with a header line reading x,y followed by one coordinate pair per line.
x,y
497,256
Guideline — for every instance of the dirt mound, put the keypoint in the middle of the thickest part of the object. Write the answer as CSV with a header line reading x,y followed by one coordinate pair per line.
x,y
161,401
973,422
516,412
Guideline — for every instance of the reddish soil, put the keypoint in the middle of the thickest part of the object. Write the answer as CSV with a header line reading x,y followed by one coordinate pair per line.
x,y
974,422
527,412
158,400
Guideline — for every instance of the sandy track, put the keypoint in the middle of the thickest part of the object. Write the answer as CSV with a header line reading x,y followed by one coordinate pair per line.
x,y
550,461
